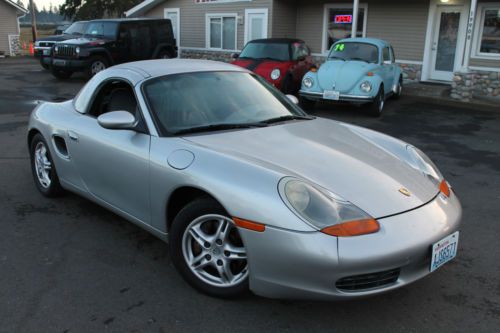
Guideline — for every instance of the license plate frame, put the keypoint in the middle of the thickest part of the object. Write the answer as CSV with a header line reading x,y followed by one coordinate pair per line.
x,y
444,251
331,95
59,62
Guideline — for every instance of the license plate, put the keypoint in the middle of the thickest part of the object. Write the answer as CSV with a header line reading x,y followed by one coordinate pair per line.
x,y
46,52
331,95
444,251
59,62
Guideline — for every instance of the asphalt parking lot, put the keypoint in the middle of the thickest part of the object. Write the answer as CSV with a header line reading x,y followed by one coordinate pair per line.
x,y
67,265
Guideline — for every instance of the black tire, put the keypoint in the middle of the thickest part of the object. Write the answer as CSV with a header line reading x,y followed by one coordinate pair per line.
x,y
399,89
377,106
192,211
307,104
44,65
163,54
97,63
54,188
61,74
288,86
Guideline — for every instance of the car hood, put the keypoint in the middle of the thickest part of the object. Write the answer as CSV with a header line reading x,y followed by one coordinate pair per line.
x,y
342,75
264,67
335,156
84,41
55,38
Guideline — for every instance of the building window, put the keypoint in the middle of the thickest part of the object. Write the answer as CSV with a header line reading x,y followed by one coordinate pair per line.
x,y
488,32
221,31
338,23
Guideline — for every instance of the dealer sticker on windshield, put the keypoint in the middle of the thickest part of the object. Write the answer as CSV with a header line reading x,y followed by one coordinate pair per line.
x,y
444,251
331,95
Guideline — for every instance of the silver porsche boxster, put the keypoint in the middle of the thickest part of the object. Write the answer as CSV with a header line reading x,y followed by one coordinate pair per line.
x,y
250,192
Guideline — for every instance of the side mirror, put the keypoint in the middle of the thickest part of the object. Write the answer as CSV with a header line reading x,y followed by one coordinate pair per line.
x,y
117,120
235,55
293,99
387,62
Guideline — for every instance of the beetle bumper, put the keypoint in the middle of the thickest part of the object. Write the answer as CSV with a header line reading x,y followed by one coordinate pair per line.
x,y
316,96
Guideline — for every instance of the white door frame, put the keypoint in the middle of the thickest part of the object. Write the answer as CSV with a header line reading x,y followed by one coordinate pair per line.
x,y
264,11
178,27
428,60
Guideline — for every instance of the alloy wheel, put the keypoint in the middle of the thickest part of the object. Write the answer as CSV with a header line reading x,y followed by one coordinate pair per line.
x,y
214,251
97,66
43,166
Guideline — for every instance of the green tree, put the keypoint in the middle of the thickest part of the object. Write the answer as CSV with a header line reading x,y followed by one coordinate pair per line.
x,y
95,9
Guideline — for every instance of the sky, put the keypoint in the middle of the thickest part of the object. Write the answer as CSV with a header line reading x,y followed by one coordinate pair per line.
x,y
41,3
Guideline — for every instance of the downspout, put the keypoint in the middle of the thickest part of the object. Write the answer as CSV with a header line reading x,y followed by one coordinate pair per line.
x,y
355,11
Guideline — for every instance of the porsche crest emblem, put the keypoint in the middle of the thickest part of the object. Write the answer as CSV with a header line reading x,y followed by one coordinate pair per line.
x,y
404,191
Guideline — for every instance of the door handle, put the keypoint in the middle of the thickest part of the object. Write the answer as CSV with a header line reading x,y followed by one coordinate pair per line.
x,y
73,136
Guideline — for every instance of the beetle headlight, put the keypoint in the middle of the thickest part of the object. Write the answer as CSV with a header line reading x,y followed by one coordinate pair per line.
x,y
275,74
365,86
324,211
308,82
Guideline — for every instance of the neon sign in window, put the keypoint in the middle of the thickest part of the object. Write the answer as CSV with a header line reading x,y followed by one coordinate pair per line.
x,y
343,19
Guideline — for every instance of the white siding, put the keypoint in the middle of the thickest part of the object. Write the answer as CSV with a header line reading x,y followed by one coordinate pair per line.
x,y
8,25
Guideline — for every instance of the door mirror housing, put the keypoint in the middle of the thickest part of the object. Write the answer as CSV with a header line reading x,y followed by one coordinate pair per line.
x,y
117,120
235,55
387,62
293,99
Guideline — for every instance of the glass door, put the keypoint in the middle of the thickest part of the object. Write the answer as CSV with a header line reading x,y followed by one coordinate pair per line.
x,y
256,21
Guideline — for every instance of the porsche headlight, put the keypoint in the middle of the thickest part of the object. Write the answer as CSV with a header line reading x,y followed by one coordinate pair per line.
x,y
324,211
275,74
421,162
365,86
308,82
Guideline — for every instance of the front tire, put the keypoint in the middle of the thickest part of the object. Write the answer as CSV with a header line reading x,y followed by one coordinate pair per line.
x,y
207,250
44,65
96,65
399,89
43,168
377,106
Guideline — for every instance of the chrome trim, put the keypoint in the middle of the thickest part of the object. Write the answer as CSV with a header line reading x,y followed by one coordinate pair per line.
x,y
342,97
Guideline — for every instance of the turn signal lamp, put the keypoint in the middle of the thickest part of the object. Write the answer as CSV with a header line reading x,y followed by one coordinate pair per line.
x,y
314,69
353,228
444,188
245,224
370,74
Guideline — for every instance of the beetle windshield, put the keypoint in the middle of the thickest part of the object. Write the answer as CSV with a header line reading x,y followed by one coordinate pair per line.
x,y
76,28
210,101
354,51
273,51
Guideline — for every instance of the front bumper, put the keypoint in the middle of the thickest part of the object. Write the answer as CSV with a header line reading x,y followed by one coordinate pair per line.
x,y
316,96
298,265
73,65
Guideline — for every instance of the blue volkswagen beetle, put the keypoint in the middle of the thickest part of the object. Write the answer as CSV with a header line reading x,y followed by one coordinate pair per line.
x,y
358,70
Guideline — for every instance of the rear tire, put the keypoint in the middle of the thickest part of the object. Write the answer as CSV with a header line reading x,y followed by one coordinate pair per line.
x,y
163,54
205,247
377,106
399,89
43,168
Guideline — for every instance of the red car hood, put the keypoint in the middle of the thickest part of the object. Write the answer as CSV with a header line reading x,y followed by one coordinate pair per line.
x,y
264,67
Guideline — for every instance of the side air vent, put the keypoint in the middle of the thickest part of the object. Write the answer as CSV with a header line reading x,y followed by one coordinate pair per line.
x,y
61,147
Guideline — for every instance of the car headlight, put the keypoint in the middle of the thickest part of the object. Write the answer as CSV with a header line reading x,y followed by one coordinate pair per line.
x,y
37,44
308,82
365,86
275,74
56,48
325,211
77,50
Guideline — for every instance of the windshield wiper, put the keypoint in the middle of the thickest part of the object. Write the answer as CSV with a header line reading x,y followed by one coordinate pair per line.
x,y
359,59
218,127
286,118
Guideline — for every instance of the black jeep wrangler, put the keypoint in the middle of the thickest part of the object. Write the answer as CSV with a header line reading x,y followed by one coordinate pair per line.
x,y
109,42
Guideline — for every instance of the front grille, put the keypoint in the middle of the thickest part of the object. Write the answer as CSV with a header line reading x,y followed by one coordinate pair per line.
x,y
368,281
46,44
66,51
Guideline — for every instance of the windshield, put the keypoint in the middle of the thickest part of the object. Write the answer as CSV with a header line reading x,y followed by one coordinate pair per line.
x,y
76,28
280,52
354,51
101,29
215,99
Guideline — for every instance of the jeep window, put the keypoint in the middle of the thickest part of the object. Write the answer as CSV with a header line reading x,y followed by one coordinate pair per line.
x,y
354,51
272,51
101,29
76,28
